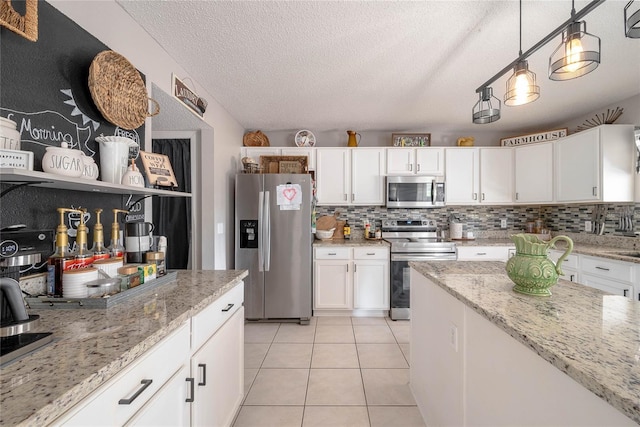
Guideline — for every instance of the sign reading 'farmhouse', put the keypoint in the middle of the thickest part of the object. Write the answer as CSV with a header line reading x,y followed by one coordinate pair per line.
x,y
188,97
532,138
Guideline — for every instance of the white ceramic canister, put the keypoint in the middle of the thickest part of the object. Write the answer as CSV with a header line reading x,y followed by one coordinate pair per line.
x,y
132,177
90,169
63,161
109,266
9,135
114,157
74,282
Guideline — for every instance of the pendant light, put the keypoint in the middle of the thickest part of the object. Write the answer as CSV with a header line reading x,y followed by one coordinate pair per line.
x,y
521,86
632,22
487,109
578,53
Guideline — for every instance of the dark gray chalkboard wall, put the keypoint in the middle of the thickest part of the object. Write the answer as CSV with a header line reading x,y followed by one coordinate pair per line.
x,y
43,87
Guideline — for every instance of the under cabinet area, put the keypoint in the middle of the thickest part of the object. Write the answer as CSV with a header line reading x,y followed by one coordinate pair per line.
x,y
350,280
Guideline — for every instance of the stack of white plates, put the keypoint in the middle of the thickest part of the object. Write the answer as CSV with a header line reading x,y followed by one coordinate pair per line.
x,y
74,282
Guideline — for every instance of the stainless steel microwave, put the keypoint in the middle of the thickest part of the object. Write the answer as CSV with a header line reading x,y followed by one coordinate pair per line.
x,y
414,191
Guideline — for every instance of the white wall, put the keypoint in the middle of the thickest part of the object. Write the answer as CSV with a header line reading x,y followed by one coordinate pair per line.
x,y
109,23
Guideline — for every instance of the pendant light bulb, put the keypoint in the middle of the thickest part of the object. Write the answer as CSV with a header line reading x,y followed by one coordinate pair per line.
x,y
578,53
521,86
573,52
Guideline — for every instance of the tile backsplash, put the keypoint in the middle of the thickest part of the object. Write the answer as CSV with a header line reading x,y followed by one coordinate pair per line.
x,y
480,219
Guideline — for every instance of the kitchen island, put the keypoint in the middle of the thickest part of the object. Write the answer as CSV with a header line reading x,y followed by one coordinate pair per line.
x,y
92,346
483,354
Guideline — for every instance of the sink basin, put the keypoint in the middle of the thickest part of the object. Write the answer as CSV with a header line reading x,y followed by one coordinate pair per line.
x,y
632,254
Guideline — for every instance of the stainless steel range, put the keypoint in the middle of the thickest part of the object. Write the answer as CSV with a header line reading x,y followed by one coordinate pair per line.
x,y
411,240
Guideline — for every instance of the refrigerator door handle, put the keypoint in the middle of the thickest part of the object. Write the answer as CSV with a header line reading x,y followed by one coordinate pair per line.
x,y
267,231
261,231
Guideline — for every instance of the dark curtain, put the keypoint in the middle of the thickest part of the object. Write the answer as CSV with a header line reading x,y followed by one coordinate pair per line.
x,y
172,215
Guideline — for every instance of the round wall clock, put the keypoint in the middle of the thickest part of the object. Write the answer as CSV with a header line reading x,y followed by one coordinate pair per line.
x,y
305,138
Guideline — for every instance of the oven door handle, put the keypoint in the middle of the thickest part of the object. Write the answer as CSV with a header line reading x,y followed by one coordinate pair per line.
x,y
423,257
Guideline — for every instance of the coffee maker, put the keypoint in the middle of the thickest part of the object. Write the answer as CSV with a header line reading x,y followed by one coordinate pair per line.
x,y
138,241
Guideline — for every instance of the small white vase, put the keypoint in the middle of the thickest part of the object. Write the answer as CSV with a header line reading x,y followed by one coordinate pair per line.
x,y
132,177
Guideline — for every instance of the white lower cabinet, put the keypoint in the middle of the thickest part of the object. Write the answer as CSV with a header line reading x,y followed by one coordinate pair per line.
x,y
569,267
350,278
193,377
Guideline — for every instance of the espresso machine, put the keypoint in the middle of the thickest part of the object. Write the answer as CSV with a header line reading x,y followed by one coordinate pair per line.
x,y
19,248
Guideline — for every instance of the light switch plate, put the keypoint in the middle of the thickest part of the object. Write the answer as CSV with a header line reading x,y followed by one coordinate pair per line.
x,y
220,228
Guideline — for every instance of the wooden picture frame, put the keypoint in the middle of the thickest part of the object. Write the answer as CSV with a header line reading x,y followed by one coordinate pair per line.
x,y
158,169
411,139
283,164
27,25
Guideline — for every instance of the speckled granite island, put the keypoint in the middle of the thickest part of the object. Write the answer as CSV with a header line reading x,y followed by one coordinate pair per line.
x,y
484,354
90,347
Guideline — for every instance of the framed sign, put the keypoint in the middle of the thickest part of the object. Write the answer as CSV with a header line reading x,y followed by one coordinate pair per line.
x,y
411,139
283,164
532,138
158,169
188,97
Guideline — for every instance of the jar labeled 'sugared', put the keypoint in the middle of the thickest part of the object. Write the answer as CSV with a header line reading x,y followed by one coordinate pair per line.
x,y
130,276
157,258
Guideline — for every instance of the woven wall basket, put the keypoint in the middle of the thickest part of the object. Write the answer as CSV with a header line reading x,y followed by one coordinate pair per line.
x,y
255,139
118,91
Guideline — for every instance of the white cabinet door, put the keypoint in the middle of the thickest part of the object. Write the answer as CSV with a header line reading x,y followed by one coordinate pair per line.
x,y
371,285
218,371
367,176
430,161
333,176
611,286
256,152
302,151
462,175
534,173
577,167
169,406
400,161
496,175
332,285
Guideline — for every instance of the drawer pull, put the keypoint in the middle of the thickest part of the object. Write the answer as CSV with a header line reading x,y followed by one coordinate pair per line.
x,y
602,268
481,253
624,292
204,373
145,384
332,253
371,253
191,391
228,307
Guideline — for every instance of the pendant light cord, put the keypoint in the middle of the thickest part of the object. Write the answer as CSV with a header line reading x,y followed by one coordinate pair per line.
x,y
520,49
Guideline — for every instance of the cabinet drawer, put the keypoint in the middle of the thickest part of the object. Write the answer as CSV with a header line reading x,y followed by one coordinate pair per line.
x,y
332,253
103,407
207,322
483,253
370,253
571,261
622,271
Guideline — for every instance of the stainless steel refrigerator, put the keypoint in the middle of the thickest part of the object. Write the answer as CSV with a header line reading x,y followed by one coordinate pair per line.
x,y
273,241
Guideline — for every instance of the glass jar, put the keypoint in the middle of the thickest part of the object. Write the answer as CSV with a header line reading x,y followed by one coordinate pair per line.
x,y
157,258
129,276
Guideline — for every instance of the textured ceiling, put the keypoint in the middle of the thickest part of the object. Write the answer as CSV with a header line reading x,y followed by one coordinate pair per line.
x,y
383,65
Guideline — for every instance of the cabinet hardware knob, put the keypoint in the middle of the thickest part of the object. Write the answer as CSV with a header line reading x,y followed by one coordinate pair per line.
x,y
204,373
145,384
191,390
228,307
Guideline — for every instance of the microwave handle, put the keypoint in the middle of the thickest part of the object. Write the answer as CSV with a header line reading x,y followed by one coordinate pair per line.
x,y
433,191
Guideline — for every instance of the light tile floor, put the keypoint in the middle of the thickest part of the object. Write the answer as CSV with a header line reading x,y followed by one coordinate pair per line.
x,y
336,371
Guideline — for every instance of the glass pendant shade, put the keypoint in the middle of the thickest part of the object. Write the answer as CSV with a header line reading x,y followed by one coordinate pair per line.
x,y
487,109
521,86
578,53
632,22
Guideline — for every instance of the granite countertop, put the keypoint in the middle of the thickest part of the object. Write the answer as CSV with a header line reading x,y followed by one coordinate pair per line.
x,y
591,336
92,346
351,242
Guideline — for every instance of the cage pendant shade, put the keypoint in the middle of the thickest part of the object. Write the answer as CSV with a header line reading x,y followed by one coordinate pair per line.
x,y
521,86
631,22
578,53
487,109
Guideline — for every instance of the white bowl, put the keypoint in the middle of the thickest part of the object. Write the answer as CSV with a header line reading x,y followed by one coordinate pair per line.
x,y
324,234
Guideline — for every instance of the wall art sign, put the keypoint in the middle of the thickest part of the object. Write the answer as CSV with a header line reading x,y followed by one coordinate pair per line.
x,y
532,138
158,169
26,25
411,139
188,97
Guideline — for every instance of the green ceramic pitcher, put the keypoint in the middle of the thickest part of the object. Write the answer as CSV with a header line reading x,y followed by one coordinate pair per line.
x,y
530,269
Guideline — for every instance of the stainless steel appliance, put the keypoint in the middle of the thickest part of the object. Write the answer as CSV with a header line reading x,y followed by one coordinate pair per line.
x,y
273,241
411,240
414,191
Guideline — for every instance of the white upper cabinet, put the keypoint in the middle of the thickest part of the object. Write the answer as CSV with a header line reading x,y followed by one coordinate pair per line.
x,y
349,176
596,165
462,175
302,151
256,152
496,175
415,161
534,173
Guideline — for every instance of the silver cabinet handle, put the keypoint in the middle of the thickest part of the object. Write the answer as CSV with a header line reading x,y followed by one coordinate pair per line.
x,y
355,268
517,195
145,384
602,268
418,167
204,374
353,196
482,196
481,253
345,197
572,278
332,253
371,253
347,268
475,196
624,292
228,307
410,167
191,390
595,191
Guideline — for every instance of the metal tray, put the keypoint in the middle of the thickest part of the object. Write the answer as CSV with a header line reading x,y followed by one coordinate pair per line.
x,y
99,303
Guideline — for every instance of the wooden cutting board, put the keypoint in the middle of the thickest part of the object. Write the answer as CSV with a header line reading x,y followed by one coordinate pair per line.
x,y
326,222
